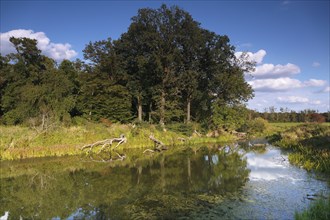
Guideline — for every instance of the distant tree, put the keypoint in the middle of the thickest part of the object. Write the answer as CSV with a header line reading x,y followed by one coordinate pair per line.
x,y
316,117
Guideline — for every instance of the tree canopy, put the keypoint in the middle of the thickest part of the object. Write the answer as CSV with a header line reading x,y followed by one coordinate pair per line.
x,y
165,68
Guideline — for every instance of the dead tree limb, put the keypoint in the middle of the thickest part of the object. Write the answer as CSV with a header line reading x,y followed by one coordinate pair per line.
x,y
159,146
107,142
148,150
197,133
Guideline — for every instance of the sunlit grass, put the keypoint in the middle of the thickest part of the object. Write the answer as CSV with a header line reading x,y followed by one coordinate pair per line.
x,y
310,145
19,142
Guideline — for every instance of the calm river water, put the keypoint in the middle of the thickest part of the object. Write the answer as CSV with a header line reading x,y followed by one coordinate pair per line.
x,y
206,182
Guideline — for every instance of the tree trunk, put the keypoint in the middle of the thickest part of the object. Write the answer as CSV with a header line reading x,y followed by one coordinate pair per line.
x,y
189,170
150,110
188,110
162,109
139,109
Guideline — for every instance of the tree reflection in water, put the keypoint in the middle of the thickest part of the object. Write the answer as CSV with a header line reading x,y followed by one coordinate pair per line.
x,y
169,184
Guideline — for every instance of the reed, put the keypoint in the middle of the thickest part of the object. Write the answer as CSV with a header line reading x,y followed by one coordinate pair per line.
x,y
320,209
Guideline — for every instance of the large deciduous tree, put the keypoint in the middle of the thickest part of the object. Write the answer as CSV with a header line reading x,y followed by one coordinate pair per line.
x,y
35,88
102,94
166,67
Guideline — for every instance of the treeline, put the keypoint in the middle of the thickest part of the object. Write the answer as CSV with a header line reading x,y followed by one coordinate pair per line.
x,y
165,68
285,115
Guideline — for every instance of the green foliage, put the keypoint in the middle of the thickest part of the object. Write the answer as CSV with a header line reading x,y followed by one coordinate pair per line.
x,y
256,126
228,117
35,89
310,144
166,68
319,209
185,129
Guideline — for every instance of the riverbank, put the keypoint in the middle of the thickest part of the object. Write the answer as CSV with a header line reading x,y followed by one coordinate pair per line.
x,y
310,149
18,142
309,145
318,210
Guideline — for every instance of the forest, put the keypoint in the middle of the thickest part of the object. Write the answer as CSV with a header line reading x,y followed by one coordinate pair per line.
x,y
165,69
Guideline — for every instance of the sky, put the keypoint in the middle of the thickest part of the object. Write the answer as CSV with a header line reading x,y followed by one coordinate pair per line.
x,y
288,40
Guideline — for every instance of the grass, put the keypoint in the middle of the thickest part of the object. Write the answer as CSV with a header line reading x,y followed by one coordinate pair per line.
x,y
18,142
310,145
319,210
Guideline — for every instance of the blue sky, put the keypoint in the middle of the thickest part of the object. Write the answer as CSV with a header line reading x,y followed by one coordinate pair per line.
x,y
288,39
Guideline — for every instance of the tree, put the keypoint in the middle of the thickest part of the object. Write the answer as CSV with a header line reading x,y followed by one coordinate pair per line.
x,y
35,89
21,95
101,93
171,60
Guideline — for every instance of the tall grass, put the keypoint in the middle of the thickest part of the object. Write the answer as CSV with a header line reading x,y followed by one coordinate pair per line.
x,y
320,210
310,145
18,142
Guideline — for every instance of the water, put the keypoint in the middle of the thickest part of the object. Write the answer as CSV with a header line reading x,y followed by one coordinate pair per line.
x,y
188,183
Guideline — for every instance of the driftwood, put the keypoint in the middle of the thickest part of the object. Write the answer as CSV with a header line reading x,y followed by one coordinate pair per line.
x,y
197,133
103,159
107,142
240,135
159,146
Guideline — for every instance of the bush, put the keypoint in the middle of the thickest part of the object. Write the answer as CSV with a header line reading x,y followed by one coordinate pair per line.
x,y
185,129
257,125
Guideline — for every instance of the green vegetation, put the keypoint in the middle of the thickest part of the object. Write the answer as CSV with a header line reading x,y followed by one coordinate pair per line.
x,y
165,69
310,145
318,210
310,148
283,115
17,142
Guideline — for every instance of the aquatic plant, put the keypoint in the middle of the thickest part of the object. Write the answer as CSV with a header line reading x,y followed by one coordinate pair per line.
x,y
320,209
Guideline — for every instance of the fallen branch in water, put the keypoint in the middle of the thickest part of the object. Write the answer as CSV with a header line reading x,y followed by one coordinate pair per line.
x,y
107,142
159,146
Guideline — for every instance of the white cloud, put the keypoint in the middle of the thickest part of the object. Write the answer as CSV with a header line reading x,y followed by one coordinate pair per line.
x,y
255,57
283,84
279,84
326,89
275,71
316,102
297,100
293,100
57,51
316,64
315,82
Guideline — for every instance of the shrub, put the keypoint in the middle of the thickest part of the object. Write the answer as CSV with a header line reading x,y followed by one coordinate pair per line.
x,y
258,125
185,129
